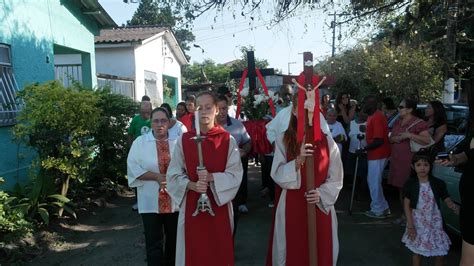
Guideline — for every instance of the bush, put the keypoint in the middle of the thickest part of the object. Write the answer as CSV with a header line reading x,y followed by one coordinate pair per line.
x,y
13,224
59,123
110,137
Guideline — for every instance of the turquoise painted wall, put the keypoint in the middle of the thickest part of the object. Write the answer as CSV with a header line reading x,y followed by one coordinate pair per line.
x,y
33,28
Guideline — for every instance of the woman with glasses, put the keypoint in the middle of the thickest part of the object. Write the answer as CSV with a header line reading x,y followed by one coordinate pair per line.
x,y
147,163
407,128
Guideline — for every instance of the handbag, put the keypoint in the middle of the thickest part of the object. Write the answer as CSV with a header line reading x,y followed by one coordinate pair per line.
x,y
415,146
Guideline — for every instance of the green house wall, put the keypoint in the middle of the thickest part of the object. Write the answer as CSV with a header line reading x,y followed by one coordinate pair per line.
x,y
35,30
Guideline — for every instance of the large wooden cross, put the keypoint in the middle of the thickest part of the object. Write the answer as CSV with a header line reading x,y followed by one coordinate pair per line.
x,y
309,164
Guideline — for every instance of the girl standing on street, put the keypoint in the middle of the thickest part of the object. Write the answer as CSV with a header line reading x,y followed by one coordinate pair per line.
x,y
422,196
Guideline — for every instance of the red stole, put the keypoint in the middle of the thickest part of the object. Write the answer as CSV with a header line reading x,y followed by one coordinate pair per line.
x,y
208,239
297,217
163,155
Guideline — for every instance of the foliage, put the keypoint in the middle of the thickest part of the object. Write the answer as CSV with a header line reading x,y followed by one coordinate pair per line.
x,y
58,123
241,64
38,201
385,71
206,72
13,224
110,137
162,13
255,104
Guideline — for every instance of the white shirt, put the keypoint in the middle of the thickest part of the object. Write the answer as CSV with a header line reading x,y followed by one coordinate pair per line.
x,y
353,132
143,158
336,130
177,130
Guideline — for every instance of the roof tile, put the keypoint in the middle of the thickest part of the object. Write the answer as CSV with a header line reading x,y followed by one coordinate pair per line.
x,y
128,34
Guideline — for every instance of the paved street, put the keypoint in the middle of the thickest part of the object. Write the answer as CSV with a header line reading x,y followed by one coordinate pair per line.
x,y
113,235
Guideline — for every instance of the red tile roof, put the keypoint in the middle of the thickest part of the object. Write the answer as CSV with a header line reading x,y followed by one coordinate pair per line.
x,y
128,34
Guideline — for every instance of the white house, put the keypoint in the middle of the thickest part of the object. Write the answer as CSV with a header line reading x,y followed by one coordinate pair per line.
x,y
140,60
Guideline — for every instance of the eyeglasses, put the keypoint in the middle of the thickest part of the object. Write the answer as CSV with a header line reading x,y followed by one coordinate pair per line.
x,y
401,107
160,121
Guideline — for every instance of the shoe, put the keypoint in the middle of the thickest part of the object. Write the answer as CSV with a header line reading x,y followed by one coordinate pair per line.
x,y
372,214
243,209
264,192
135,207
271,205
387,213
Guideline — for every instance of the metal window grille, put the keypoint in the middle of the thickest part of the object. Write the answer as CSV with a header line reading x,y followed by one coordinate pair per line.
x,y
10,105
124,87
67,74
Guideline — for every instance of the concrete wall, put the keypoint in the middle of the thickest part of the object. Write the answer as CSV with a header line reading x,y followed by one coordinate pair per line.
x,y
33,28
125,60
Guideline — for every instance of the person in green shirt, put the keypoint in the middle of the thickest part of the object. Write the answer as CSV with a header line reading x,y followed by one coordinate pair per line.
x,y
140,124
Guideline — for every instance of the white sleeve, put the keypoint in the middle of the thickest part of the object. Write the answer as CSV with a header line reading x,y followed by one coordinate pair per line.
x,y
330,189
134,169
284,173
176,178
226,184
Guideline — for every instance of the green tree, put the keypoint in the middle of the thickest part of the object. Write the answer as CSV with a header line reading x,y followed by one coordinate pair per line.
x,y
206,72
386,71
152,12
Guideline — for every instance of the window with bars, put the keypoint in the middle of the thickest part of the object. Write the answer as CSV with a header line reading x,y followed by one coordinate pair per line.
x,y
9,103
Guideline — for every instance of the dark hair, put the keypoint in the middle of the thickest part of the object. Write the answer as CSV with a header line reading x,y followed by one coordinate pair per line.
x,y
222,98
145,98
183,104
161,109
210,93
422,155
168,108
411,104
439,113
324,96
289,138
190,98
389,104
222,90
339,100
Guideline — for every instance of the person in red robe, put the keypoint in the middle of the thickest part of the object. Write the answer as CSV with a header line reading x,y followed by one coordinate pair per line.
x,y
205,239
289,237
188,119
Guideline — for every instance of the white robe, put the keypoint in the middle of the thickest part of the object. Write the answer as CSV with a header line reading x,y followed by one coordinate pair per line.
x,y
280,123
143,158
224,188
284,174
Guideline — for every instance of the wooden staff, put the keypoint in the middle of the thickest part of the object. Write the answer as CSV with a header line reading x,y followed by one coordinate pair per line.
x,y
309,167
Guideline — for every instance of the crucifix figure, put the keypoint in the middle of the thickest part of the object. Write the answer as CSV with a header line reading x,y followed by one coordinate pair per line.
x,y
309,103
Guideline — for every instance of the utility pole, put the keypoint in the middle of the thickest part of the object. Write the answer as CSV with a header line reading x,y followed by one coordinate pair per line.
x,y
290,63
333,26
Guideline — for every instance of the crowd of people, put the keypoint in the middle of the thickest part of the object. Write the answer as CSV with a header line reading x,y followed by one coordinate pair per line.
x,y
190,195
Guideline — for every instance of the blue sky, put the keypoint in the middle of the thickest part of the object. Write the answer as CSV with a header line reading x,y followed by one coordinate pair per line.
x,y
221,36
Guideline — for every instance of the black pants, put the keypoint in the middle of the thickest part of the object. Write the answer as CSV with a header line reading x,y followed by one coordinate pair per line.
x,y
241,197
267,180
154,225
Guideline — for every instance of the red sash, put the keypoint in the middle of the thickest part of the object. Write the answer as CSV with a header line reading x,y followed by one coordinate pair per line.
x,y
208,239
297,217
163,154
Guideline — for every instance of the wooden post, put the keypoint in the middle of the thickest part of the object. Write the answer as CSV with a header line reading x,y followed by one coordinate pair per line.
x,y
309,166
251,69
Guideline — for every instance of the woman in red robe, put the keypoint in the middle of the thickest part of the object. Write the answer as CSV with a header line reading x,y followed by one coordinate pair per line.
x,y
289,238
205,239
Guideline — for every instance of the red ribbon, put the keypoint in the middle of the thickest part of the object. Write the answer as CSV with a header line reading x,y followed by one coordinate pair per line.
x,y
265,89
316,117
239,97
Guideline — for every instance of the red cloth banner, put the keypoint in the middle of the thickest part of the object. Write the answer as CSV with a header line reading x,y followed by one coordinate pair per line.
x,y
239,97
258,135
265,89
